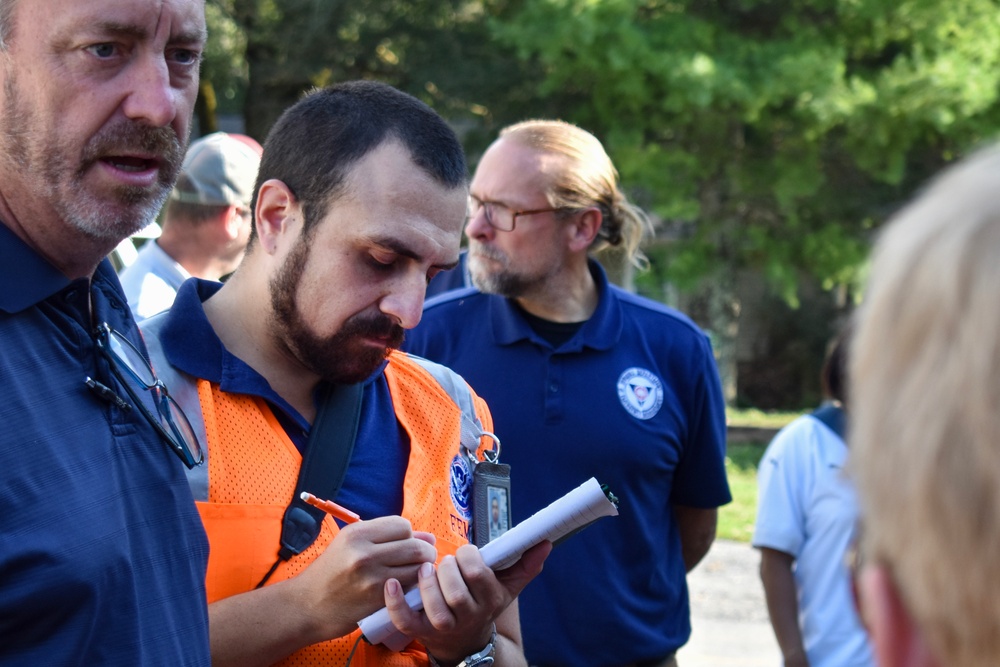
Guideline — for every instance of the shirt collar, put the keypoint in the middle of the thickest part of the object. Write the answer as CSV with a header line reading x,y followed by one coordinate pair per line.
x,y
600,331
187,337
27,277
169,268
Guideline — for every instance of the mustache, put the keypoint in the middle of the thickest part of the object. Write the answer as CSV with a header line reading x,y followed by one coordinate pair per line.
x,y
375,326
126,137
487,252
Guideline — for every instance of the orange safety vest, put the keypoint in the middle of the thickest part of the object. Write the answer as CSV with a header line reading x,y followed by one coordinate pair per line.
x,y
252,471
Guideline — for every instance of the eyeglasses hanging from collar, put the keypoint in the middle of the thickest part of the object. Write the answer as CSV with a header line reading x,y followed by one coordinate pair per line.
x,y
170,421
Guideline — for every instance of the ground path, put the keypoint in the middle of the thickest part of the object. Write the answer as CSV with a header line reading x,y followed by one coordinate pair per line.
x,y
728,614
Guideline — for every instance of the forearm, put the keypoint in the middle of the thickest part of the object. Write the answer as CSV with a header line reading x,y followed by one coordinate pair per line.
x,y
697,531
263,626
509,653
510,649
782,605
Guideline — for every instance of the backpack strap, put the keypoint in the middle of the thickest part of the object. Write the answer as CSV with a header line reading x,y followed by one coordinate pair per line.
x,y
335,429
324,466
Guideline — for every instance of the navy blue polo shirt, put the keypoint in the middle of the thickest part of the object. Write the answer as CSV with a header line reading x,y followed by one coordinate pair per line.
x,y
373,485
102,552
632,399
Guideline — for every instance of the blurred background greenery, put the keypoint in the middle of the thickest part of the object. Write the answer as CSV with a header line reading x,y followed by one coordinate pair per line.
x,y
769,138
737,518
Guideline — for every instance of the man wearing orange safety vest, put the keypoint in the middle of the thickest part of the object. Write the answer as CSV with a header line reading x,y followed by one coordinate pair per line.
x,y
359,201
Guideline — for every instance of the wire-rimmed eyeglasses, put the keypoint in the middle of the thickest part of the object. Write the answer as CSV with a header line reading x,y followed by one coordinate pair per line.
x,y
170,422
500,216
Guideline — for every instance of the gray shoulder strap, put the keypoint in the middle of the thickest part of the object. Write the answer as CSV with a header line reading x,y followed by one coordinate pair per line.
x,y
456,387
183,389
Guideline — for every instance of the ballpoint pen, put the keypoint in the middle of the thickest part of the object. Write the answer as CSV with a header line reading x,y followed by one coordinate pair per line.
x,y
330,507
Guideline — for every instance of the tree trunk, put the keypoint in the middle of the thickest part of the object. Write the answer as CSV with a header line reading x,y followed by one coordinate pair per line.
x,y
205,108
724,323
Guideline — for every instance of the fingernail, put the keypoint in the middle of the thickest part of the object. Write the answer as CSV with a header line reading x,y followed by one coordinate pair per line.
x,y
392,587
426,570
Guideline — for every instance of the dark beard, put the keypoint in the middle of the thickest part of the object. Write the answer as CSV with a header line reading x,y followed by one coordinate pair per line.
x,y
338,358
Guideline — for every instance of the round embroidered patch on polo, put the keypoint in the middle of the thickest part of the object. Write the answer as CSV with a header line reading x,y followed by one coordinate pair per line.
x,y
461,485
640,392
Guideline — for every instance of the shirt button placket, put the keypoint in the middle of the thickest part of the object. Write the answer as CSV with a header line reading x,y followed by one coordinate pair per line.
x,y
554,390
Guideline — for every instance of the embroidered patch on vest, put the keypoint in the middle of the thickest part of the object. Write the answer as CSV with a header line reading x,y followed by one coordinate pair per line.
x,y
461,486
640,392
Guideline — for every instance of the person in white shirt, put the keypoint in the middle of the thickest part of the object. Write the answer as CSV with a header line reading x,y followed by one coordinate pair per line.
x,y
806,518
206,223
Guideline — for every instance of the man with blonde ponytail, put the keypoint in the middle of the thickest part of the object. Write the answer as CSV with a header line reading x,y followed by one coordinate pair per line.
x,y
585,380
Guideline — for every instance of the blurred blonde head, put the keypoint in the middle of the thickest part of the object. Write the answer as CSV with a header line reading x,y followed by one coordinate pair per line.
x,y
925,394
587,177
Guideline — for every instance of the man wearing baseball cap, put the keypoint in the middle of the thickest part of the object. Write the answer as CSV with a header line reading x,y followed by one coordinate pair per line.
x,y
206,223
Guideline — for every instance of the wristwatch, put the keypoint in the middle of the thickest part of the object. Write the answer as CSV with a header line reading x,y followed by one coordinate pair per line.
x,y
482,658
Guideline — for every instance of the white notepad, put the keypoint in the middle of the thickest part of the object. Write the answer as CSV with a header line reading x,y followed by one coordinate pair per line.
x,y
576,510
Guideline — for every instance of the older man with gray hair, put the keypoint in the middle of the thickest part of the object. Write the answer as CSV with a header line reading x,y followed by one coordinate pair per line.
x,y
102,554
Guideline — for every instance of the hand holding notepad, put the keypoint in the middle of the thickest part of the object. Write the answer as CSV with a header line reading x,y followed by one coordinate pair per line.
x,y
573,512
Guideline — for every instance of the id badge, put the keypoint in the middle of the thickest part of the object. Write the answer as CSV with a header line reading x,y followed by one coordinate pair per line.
x,y
491,515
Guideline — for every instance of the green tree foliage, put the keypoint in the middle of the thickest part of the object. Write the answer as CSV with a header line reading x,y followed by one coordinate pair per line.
x,y
770,135
780,131
439,50
224,65
223,71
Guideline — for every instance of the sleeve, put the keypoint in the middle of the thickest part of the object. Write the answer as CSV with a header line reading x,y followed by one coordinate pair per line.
x,y
782,479
700,478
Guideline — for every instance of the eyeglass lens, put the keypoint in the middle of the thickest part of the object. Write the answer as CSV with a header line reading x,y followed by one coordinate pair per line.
x,y
497,216
132,359
171,416
172,420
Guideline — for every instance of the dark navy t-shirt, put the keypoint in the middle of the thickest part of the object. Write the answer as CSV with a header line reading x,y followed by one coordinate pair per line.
x,y
102,552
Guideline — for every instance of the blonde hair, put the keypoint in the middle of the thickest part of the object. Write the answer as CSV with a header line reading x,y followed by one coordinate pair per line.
x,y
586,177
925,430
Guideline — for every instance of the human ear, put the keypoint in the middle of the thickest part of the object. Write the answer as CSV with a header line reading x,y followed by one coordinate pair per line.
x,y
276,215
583,231
895,636
234,222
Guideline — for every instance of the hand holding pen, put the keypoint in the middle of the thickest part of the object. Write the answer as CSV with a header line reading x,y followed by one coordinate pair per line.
x,y
345,582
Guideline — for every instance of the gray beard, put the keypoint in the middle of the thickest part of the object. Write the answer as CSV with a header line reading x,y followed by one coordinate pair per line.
x,y
59,183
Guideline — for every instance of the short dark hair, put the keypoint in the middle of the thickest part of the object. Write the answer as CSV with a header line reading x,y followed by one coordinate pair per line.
x,y
833,375
194,214
317,140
